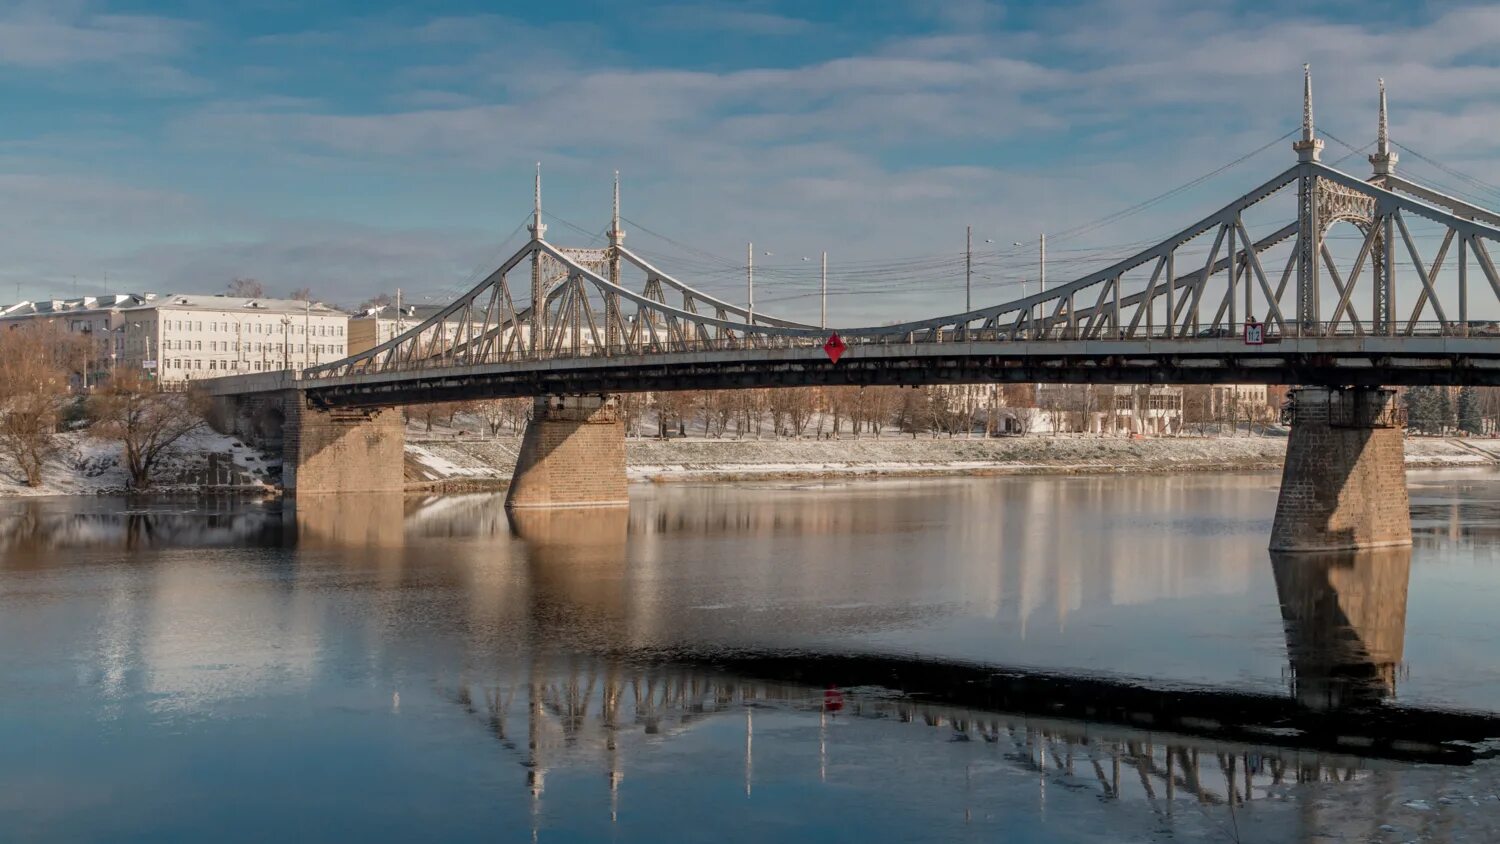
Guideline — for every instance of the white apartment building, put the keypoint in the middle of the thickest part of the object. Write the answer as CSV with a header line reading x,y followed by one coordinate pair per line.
x,y
1238,402
184,336
1111,408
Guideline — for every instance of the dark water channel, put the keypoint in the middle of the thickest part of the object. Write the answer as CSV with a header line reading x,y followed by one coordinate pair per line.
x,y
1019,659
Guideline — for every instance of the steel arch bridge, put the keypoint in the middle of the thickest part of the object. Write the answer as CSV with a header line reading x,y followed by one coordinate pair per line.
x,y
1170,313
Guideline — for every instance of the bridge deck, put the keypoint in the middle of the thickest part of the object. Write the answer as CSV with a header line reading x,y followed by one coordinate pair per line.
x,y
1361,361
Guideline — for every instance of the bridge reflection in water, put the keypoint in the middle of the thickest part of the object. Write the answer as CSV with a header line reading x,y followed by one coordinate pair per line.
x,y
598,683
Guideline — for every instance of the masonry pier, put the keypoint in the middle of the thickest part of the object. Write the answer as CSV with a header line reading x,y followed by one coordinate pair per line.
x,y
1343,485
572,455
324,450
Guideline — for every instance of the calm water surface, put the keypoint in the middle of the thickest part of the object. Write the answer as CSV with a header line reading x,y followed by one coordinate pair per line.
x,y
721,663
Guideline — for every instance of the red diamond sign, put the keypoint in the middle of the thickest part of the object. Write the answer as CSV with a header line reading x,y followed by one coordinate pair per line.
x,y
834,348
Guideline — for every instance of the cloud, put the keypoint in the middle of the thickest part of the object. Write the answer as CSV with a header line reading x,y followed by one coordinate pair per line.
x,y
873,146
112,236
340,263
728,19
48,37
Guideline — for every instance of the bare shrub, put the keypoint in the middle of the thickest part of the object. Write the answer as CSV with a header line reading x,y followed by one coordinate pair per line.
x,y
147,421
33,387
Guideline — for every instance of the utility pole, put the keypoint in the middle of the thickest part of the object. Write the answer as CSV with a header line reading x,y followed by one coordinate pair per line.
x,y
538,230
611,300
750,282
823,297
968,268
1042,261
1041,281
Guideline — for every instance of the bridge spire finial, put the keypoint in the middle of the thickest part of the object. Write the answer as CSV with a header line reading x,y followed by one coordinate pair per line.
x,y
616,234
1309,145
1384,161
537,228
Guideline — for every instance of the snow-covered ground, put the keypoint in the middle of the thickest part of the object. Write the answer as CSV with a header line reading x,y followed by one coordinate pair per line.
x,y
473,459
86,466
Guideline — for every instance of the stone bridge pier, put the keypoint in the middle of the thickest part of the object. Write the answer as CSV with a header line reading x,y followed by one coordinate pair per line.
x,y
323,450
1343,485
572,455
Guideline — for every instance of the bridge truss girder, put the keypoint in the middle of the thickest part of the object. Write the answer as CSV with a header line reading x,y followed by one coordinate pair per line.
x,y
586,316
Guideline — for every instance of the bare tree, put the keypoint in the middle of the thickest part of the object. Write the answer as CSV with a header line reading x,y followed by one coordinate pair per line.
x,y
716,407
431,413
145,420
791,409
379,300
674,408
842,403
497,413
301,294
248,288
631,406
33,386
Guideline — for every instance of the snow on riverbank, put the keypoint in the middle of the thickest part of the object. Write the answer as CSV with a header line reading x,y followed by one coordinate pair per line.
x,y
86,466
663,460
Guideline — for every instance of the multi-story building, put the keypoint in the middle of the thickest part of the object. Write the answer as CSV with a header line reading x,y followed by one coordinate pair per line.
x,y
1229,403
101,318
381,323
384,323
184,336
1111,408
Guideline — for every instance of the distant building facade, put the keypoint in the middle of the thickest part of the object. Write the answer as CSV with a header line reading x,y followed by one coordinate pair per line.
x,y
1152,409
100,318
382,323
184,336
1228,403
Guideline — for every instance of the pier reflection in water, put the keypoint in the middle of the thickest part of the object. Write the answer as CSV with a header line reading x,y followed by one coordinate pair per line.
x,y
1345,623
668,667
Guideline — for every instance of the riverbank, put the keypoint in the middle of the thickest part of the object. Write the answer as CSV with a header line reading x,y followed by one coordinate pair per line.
x,y
457,464
202,461
210,461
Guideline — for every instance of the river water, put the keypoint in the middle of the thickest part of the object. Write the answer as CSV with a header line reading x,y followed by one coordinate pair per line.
x,y
1023,658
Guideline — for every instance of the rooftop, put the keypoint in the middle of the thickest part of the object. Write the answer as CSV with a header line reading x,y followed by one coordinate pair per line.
x,y
408,312
223,302
78,305
138,301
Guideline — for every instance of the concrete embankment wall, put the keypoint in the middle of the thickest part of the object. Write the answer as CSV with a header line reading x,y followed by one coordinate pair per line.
x,y
490,462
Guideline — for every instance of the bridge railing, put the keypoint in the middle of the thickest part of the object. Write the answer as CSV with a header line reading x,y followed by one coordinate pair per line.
x,y
1062,333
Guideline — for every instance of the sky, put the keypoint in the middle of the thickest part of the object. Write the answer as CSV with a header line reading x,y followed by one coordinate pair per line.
x,y
356,146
